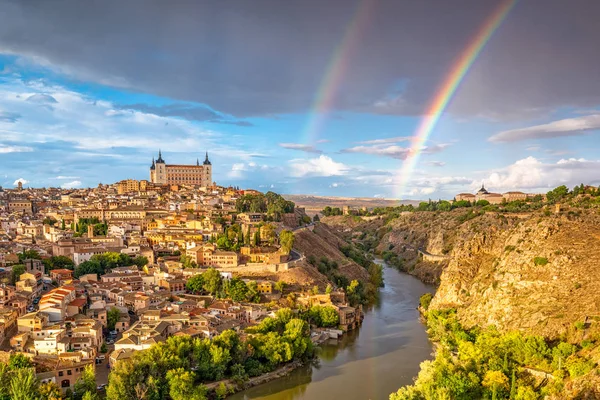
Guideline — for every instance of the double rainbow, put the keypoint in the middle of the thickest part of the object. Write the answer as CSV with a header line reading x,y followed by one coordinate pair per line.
x,y
447,90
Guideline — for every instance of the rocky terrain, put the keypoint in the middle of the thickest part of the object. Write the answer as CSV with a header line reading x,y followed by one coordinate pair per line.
x,y
538,273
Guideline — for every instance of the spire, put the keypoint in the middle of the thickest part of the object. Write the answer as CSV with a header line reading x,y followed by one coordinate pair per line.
x,y
197,162
153,165
160,159
206,161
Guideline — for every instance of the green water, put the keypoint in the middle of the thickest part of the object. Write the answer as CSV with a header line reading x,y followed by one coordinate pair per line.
x,y
369,363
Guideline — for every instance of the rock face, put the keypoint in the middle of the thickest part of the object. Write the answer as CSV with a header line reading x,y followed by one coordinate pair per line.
x,y
537,273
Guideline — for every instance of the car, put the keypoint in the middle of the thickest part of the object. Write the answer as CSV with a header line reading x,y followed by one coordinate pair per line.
x,y
100,357
113,333
101,387
110,341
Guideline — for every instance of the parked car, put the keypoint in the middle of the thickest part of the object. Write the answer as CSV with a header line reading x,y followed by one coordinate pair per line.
x,y
100,357
101,387
109,341
113,333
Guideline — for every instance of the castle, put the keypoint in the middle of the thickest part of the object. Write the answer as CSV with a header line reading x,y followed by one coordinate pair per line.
x,y
172,174
493,198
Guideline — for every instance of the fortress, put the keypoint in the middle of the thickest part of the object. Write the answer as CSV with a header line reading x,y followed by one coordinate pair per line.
x,y
493,198
174,174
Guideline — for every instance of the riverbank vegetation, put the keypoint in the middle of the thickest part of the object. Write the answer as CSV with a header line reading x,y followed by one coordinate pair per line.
x,y
488,364
179,367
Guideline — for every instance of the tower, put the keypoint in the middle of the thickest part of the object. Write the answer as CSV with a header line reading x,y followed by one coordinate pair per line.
x,y
160,170
207,176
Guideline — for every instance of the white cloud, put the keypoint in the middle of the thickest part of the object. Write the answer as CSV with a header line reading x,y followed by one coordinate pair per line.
x,y
564,127
71,185
320,166
62,177
320,141
22,180
396,139
301,147
394,151
535,175
14,149
436,163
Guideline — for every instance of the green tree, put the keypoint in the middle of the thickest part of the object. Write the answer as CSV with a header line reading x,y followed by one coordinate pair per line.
x,y
140,261
286,240
212,281
195,284
316,218
27,254
237,289
86,382
24,385
16,272
112,317
50,391
182,385
58,262
279,286
19,361
328,288
187,261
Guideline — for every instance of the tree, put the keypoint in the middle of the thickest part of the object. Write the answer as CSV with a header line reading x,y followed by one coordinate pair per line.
x,y
212,281
27,254
187,261
140,261
88,267
182,385
316,218
58,262
195,284
328,288
50,391
286,240
19,361
315,290
112,317
237,289
86,382
495,380
23,385
16,272
279,286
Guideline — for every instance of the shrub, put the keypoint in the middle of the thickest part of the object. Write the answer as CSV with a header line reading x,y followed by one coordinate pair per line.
x,y
540,261
579,325
425,301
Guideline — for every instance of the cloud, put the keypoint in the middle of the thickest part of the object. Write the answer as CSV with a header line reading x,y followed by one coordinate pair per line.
x,y
71,185
301,147
396,139
6,116
22,180
62,177
239,60
564,127
40,98
320,141
436,163
191,112
398,152
14,149
320,166
238,170
532,174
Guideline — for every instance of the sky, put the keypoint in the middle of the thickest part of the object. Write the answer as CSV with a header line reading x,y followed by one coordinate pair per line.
x,y
301,97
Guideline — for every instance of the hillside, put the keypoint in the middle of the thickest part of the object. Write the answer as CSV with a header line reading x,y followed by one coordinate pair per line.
x,y
533,272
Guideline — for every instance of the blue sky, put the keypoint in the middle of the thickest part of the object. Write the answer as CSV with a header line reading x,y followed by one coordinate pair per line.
x,y
71,118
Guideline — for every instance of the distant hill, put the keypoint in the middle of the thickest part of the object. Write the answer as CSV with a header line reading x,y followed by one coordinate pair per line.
x,y
315,204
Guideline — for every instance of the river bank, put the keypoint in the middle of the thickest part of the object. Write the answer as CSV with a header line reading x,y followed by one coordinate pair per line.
x,y
368,363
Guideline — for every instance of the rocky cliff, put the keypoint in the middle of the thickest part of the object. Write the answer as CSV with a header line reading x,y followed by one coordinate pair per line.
x,y
539,273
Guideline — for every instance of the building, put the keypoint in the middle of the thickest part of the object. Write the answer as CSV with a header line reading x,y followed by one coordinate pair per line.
x,y
492,198
173,174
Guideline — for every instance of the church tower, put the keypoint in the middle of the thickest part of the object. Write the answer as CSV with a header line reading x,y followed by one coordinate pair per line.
x,y
207,178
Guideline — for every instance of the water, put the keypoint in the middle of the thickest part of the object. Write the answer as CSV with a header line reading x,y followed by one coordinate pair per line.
x,y
369,363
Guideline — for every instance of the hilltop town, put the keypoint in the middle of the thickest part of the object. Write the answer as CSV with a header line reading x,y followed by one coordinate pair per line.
x,y
92,276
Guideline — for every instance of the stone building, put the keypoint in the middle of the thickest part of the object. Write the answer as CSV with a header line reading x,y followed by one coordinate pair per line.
x,y
173,174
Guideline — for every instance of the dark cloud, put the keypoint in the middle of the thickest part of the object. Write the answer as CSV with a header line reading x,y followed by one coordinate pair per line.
x,y
265,57
187,111
564,127
7,116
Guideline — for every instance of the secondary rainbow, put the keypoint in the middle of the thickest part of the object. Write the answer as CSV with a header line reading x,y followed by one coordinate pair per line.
x,y
335,71
448,88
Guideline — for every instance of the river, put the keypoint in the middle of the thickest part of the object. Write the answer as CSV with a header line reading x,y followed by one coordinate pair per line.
x,y
369,363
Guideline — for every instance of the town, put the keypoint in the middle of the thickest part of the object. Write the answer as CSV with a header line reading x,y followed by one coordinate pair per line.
x,y
92,276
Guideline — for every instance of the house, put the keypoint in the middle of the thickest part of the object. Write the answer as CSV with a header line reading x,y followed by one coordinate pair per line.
x,y
61,276
142,335
264,287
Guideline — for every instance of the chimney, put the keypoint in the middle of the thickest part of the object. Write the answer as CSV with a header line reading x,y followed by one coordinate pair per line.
x,y
90,231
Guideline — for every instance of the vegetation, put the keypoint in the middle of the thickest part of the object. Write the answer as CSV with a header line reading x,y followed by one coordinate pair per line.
x,y
273,204
324,316
16,272
112,317
540,261
178,367
286,241
101,263
425,301
58,262
487,364
100,228
211,282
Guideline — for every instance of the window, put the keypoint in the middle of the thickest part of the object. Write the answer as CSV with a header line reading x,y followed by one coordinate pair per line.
x,y
69,372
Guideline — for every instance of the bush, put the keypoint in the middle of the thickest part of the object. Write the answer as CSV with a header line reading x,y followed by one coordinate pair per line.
x,y
540,261
579,325
425,301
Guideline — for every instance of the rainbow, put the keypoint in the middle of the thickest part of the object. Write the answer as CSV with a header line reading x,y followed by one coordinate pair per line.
x,y
335,71
448,88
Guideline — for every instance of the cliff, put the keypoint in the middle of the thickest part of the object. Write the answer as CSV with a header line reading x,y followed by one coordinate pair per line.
x,y
537,273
